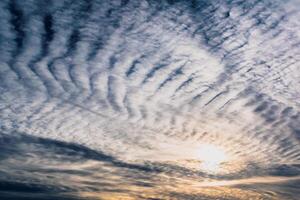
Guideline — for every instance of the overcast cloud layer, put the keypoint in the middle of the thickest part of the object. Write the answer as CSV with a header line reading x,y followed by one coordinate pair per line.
x,y
112,99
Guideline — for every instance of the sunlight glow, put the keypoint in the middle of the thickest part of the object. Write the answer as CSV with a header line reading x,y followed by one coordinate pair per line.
x,y
211,157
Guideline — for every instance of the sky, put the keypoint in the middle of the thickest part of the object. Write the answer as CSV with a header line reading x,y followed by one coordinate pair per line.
x,y
148,99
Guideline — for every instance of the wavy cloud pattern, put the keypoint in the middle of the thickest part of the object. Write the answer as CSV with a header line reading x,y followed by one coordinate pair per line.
x,y
125,91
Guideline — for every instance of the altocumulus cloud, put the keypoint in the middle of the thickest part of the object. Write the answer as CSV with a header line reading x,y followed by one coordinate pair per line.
x,y
111,99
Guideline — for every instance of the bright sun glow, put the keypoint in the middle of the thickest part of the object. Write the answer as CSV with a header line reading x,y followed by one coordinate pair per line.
x,y
211,157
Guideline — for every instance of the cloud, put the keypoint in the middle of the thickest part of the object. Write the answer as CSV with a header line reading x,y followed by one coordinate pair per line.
x,y
139,85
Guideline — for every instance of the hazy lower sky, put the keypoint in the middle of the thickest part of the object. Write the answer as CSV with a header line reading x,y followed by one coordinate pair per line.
x,y
150,99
